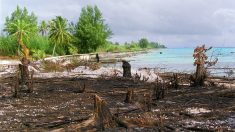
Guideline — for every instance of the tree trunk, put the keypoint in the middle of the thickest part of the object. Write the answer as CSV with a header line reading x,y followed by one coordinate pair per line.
x,y
24,72
200,75
25,50
103,116
97,58
16,87
53,53
126,69
175,82
129,96
159,90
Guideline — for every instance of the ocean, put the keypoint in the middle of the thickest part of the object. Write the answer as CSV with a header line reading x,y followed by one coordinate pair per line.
x,y
181,60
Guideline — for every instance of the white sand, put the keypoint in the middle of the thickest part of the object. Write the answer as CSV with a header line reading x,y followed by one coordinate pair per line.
x,y
79,71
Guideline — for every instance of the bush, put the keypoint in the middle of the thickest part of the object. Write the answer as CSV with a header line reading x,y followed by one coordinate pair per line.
x,y
39,43
53,66
8,46
38,54
143,43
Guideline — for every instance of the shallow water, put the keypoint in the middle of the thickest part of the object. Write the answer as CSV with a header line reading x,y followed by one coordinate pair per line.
x,y
181,59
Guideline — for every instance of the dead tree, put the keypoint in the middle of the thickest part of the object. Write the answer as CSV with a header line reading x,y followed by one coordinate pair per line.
x,y
159,90
129,96
126,69
97,58
83,89
175,81
147,101
103,116
200,57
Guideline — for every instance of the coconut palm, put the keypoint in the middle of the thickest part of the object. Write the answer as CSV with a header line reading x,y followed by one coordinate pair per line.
x,y
21,30
43,28
59,32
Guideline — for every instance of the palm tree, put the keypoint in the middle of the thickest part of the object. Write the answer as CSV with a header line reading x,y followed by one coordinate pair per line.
x,y
43,28
21,30
59,32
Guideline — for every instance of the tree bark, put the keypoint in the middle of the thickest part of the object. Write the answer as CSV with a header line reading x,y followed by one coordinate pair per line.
x,y
129,96
200,75
103,116
24,72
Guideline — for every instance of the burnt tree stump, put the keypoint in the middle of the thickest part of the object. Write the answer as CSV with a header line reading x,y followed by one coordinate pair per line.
x,y
129,96
16,87
97,58
126,69
30,82
175,81
159,91
103,116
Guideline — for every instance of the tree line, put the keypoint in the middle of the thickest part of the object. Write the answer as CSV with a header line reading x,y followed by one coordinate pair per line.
x,y
24,36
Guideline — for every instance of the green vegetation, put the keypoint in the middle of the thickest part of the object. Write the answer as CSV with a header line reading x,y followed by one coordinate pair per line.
x,y
133,46
91,31
8,46
43,28
143,43
25,37
59,32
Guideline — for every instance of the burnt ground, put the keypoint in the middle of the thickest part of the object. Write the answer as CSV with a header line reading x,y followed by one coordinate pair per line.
x,y
56,104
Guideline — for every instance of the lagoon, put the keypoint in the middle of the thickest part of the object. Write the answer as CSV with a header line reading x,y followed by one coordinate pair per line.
x,y
181,59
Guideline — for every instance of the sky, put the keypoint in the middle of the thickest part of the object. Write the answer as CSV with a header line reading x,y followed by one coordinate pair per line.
x,y
175,23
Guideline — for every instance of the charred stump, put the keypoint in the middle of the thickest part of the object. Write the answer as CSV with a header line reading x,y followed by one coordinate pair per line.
x,y
103,116
147,102
97,58
83,89
200,57
159,91
129,96
200,76
16,87
30,82
175,81
126,69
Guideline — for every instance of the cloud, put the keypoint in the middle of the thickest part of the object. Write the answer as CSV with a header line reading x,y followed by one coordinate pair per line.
x,y
173,22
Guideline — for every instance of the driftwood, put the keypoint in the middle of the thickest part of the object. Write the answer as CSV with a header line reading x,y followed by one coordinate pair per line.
x,y
60,122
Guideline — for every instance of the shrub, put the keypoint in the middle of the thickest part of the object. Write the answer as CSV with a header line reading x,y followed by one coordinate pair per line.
x,y
8,46
52,66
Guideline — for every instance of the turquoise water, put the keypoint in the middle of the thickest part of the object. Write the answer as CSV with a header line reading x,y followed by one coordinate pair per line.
x,y
180,59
